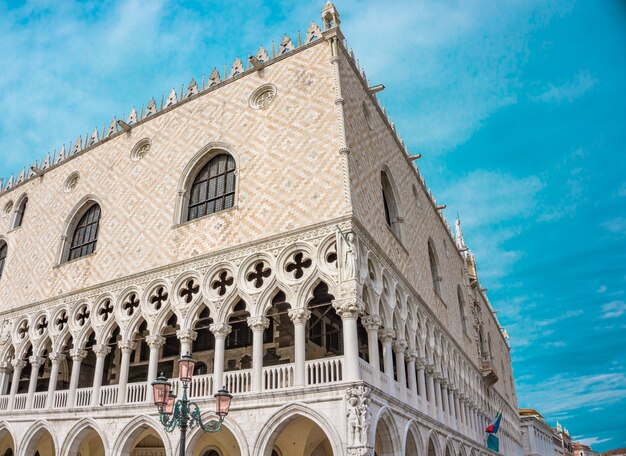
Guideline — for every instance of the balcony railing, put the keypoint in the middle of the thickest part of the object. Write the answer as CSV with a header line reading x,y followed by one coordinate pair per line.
x,y
318,372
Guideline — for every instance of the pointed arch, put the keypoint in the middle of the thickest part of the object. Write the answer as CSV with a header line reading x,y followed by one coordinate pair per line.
x,y
240,436
19,210
286,414
413,443
4,252
127,438
7,431
32,436
77,434
391,201
192,185
434,267
71,222
389,439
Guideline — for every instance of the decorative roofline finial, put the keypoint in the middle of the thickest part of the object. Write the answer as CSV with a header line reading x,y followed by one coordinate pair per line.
x,y
330,16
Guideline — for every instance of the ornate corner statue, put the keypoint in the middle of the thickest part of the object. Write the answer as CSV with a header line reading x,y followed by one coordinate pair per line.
x,y
358,419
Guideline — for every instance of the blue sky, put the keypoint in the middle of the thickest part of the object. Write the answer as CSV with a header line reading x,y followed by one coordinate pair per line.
x,y
519,108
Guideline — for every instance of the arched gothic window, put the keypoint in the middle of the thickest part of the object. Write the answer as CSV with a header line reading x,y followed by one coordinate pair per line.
x,y
85,234
19,213
434,268
3,255
213,189
390,205
462,308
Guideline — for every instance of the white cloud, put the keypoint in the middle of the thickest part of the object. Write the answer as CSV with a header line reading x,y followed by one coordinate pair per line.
x,y
591,440
602,289
563,393
613,309
568,91
616,225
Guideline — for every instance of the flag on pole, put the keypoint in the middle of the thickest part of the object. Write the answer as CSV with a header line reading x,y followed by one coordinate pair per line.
x,y
493,443
495,424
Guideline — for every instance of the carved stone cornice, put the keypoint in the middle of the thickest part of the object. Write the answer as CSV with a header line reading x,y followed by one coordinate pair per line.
x,y
220,329
258,323
299,316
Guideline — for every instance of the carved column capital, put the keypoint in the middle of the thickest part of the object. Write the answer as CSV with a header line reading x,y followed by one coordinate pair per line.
x,y
18,364
401,345
78,354
56,357
186,335
347,309
36,361
299,316
420,362
126,346
371,322
387,335
155,341
258,323
101,349
220,329
411,355
5,366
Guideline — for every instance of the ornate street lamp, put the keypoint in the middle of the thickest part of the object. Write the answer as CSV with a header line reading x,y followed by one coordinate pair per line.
x,y
183,413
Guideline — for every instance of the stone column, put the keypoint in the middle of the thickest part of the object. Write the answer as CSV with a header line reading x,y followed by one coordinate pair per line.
x,y
35,364
348,310
220,331
126,347
372,324
438,403
430,384
410,357
101,351
77,355
155,343
56,358
387,336
258,325
299,318
457,410
5,370
18,365
401,346
186,337
421,383
452,407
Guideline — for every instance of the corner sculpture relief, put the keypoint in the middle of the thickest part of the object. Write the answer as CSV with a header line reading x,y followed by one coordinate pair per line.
x,y
347,254
358,416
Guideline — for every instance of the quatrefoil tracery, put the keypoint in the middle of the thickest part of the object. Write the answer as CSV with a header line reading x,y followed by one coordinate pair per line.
x,y
188,291
82,316
61,321
258,274
22,329
130,304
41,325
159,298
105,310
298,265
221,284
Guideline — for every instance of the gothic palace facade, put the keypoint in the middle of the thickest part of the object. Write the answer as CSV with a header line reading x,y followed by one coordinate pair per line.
x,y
270,222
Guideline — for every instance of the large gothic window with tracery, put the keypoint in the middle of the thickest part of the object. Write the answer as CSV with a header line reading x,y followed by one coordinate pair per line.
x,y
85,234
3,255
213,189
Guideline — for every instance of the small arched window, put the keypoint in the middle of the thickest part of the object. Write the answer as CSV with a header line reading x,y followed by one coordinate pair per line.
x,y
462,308
390,205
213,189
85,234
19,213
3,255
434,268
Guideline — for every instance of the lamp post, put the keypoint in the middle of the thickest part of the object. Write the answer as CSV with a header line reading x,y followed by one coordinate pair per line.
x,y
183,413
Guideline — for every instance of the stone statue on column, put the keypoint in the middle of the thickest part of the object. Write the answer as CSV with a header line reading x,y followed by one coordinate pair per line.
x,y
358,419
347,245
